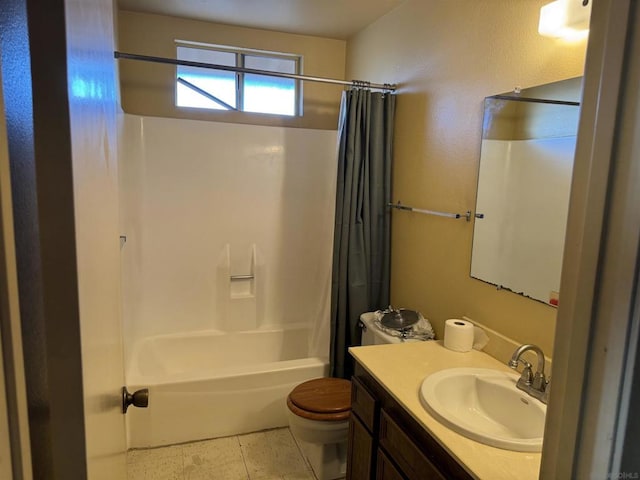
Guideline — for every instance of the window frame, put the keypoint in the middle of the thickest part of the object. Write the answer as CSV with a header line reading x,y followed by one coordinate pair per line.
x,y
240,54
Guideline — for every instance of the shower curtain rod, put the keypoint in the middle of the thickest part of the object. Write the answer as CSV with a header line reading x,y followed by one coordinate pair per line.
x,y
388,87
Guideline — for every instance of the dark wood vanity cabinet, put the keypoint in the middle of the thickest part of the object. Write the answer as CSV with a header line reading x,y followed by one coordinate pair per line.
x,y
385,470
386,443
362,440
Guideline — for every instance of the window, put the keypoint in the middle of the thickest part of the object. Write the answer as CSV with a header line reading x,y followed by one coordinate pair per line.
x,y
225,90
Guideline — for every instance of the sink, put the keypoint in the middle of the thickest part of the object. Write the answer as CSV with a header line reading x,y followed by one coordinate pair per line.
x,y
485,405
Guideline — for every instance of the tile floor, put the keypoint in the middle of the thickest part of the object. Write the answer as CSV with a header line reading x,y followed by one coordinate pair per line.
x,y
268,455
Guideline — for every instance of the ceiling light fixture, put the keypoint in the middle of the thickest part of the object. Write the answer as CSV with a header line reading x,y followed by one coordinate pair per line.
x,y
567,19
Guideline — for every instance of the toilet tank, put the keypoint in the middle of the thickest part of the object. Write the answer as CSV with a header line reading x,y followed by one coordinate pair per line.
x,y
372,335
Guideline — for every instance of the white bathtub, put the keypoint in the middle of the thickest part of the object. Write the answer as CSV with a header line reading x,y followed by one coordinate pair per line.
x,y
212,384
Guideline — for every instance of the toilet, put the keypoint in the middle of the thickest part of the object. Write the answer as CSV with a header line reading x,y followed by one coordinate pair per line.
x,y
319,411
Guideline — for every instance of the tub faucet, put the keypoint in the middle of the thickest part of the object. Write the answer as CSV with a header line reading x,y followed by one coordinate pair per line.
x,y
535,384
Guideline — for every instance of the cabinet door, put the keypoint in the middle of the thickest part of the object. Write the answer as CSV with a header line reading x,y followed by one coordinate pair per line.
x,y
407,455
385,469
360,451
364,405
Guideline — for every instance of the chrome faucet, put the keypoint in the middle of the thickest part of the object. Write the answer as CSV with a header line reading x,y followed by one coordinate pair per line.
x,y
535,384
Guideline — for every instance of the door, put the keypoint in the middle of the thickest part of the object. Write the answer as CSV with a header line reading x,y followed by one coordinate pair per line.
x,y
58,77
590,428
92,107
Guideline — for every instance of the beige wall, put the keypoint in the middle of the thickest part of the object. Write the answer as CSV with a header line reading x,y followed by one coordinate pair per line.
x,y
447,55
149,89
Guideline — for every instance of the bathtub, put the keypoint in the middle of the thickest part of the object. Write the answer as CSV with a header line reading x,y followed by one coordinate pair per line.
x,y
213,384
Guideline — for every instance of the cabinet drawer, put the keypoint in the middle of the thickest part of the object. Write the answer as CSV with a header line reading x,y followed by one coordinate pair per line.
x,y
385,469
413,463
363,404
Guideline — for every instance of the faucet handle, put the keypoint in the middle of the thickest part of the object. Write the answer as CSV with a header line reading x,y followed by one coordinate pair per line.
x,y
540,382
547,391
527,377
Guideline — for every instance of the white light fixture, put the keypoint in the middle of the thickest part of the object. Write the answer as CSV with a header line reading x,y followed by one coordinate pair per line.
x,y
565,19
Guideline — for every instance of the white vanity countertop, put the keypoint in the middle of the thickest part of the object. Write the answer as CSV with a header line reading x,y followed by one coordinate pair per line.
x,y
401,368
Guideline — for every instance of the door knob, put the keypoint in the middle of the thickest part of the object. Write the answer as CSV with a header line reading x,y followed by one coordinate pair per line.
x,y
139,398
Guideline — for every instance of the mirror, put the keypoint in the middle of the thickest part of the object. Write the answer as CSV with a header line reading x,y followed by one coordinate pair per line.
x,y
524,179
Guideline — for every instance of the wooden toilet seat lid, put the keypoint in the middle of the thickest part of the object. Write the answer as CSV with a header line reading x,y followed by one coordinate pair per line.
x,y
323,395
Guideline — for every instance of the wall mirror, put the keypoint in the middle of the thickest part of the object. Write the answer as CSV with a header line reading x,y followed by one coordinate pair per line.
x,y
526,162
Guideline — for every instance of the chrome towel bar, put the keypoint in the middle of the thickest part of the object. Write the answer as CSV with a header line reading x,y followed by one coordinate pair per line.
x,y
399,206
241,277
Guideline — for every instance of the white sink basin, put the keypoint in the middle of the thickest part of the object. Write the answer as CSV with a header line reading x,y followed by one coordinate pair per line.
x,y
485,405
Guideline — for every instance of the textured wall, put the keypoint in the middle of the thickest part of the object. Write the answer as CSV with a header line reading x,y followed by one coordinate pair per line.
x,y
149,89
447,56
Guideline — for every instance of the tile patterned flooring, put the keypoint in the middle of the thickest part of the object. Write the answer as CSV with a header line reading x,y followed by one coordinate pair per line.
x,y
268,455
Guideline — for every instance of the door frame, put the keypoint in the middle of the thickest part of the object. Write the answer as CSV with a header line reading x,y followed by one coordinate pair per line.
x,y
36,106
597,324
14,425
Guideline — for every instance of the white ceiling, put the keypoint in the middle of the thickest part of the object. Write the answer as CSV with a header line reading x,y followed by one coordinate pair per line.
x,y
325,18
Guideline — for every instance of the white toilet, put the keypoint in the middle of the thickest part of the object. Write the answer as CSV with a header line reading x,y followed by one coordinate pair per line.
x,y
319,412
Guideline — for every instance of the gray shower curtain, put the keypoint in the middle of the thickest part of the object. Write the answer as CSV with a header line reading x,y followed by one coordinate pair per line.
x,y
361,246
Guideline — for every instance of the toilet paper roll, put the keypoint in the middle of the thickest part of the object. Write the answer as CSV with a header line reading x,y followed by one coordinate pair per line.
x,y
458,335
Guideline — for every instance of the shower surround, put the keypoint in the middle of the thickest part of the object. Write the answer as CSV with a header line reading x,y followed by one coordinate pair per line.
x,y
226,272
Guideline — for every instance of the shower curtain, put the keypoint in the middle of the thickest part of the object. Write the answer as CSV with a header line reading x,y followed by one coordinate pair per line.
x,y
361,246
